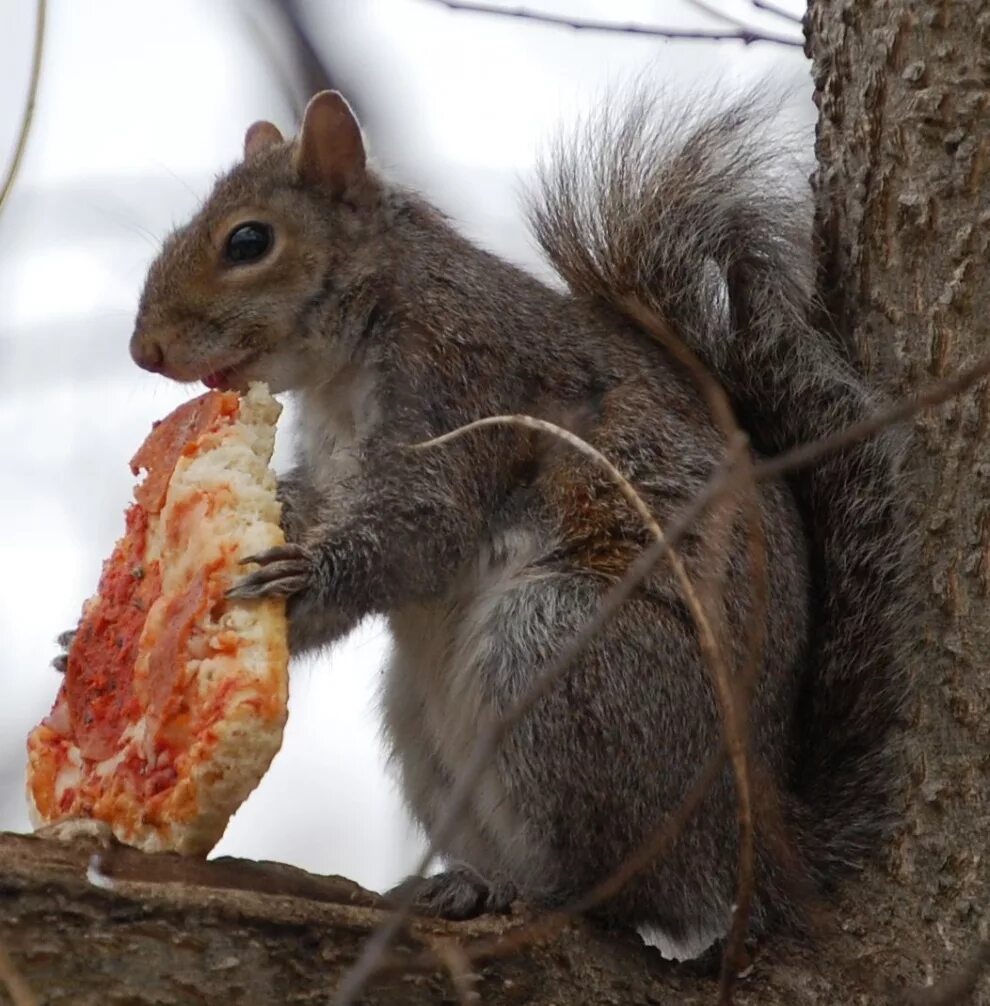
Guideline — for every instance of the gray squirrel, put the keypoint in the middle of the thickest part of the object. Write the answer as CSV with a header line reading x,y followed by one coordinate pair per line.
x,y
305,268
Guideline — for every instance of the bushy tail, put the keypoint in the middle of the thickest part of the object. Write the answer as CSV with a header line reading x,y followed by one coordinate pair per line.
x,y
697,222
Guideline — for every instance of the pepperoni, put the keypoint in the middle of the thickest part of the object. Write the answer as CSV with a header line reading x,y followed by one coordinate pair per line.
x,y
174,436
168,656
99,681
100,674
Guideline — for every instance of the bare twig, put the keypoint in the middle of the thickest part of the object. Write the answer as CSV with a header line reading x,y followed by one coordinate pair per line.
x,y
807,454
730,698
772,8
310,67
744,34
27,116
710,10
727,479
13,981
303,71
285,81
491,735
733,693
662,839
549,924
458,966
543,426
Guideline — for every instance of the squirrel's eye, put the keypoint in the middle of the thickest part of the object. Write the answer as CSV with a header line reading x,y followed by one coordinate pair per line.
x,y
248,242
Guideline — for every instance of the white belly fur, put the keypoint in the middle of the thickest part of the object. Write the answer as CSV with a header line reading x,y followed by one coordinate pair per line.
x,y
435,699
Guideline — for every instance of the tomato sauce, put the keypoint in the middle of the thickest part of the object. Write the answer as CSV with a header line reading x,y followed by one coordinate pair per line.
x,y
166,657
100,673
99,679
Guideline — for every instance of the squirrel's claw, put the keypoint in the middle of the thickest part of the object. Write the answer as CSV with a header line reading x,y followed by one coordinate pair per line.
x,y
285,570
279,552
457,893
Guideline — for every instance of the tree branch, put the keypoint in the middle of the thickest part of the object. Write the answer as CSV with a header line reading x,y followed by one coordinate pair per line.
x,y
169,929
745,34
772,8
27,115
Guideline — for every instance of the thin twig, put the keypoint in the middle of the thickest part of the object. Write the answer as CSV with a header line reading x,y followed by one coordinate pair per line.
x,y
745,34
14,982
772,8
709,642
458,966
543,426
285,82
549,924
712,11
733,694
662,839
726,479
807,454
27,116
491,734
312,68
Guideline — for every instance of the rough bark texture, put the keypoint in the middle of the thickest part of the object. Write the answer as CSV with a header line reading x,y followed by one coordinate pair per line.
x,y
903,192
903,188
135,929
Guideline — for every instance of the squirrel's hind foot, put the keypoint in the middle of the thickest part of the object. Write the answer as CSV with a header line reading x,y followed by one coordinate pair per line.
x,y
458,893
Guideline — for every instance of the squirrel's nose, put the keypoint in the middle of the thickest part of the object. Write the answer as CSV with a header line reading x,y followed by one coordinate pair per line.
x,y
146,352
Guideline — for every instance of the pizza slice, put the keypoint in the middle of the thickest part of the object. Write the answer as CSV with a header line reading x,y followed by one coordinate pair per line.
x,y
174,697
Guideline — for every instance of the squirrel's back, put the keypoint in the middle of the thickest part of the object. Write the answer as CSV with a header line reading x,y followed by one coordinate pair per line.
x,y
697,222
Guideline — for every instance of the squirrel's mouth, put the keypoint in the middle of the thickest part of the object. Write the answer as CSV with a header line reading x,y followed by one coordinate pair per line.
x,y
225,379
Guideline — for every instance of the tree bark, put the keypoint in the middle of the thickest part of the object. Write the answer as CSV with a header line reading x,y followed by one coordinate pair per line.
x,y
130,928
903,202
903,205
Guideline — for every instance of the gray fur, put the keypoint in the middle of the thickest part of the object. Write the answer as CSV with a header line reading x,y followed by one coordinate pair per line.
x,y
487,554
719,196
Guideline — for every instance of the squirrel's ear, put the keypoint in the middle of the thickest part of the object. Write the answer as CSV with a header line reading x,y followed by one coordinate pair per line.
x,y
330,151
260,137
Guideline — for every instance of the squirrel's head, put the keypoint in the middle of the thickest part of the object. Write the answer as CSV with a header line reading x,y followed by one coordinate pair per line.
x,y
240,293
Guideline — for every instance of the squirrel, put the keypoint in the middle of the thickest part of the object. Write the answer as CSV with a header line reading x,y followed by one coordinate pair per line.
x,y
307,269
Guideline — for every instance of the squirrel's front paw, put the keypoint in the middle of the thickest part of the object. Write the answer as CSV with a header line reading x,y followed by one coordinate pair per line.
x,y
458,893
285,570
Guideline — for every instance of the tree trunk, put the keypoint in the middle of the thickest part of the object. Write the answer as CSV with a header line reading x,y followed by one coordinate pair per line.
x,y
903,191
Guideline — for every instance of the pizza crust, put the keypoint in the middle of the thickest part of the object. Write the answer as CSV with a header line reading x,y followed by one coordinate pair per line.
x,y
207,701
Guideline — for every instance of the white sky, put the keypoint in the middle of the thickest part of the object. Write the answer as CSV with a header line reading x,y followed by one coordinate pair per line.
x,y
141,103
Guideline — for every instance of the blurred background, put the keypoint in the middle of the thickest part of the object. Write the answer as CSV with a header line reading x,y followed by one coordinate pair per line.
x,y
140,105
